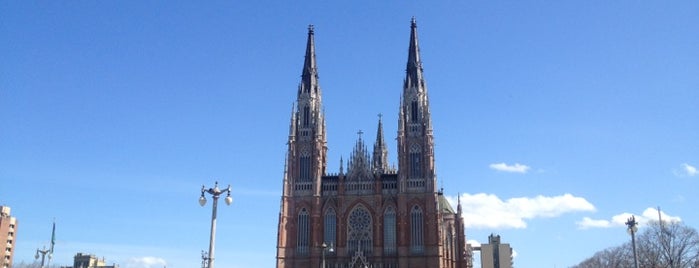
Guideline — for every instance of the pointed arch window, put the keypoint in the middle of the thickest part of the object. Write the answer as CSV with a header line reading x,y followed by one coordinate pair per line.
x,y
330,227
416,230
305,167
413,111
306,116
389,231
415,161
303,235
359,231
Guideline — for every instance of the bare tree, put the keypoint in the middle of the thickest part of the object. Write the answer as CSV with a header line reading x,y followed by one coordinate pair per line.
x,y
670,245
661,245
615,257
26,265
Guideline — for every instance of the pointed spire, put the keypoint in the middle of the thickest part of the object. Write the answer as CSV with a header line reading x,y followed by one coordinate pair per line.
x,y
309,75
292,125
379,134
401,119
458,206
308,146
415,142
380,157
414,66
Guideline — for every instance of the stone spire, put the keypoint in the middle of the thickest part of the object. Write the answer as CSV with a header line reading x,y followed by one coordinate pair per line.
x,y
292,125
309,75
415,141
413,68
380,157
307,135
458,206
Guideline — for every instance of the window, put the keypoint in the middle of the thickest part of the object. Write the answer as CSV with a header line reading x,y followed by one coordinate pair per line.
x,y
389,231
359,231
305,166
415,162
330,227
416,231
413,112
306,116
303,238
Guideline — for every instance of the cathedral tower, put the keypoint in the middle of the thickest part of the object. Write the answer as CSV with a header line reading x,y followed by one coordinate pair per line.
x,y
415,141
305,163
306,158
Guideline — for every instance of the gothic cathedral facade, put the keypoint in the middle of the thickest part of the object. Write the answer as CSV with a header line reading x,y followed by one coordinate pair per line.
x,y
371,215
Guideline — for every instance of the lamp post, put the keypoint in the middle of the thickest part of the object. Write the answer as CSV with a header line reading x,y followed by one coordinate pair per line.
x,y
631,223
325,247
43,255
215,192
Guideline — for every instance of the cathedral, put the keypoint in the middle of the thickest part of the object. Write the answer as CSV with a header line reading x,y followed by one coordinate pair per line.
x,y
371,214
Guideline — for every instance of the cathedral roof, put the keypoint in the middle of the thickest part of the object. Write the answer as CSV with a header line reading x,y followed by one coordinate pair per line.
x,y
444,205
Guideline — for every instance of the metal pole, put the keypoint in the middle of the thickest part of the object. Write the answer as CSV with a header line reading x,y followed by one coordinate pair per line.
x,y
212,239
215,192
322,264
631,223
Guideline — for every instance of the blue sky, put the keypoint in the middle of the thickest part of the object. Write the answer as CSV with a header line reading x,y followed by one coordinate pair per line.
x,y
554,120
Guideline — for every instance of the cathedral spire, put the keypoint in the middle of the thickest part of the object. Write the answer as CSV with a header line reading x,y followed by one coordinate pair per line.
x,y
292,125
309,75
307,137
380,157
414,66
458,206
415,141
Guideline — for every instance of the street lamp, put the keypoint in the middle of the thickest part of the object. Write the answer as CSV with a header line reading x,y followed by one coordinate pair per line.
x,y
631,223
325,247
215,192
43,255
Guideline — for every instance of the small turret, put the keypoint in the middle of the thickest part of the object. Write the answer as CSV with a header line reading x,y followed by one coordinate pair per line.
x,y
380,157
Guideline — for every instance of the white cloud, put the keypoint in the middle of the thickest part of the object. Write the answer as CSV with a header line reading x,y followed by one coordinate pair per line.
x,y
473,243
146,262
516,168
689,170
489,211
588,223
686,170
650,214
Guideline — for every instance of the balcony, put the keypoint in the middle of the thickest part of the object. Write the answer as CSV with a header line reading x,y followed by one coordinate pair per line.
x,y
416,184
360,187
